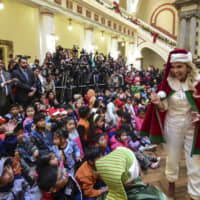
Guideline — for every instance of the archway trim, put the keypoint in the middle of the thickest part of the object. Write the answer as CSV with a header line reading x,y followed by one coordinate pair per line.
x,y
162,53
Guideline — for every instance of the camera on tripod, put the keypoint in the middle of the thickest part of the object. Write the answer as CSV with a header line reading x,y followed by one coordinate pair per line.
x,y
23,57
66,65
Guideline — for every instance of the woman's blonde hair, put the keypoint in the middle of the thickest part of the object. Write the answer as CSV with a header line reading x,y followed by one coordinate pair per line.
x,y
192,75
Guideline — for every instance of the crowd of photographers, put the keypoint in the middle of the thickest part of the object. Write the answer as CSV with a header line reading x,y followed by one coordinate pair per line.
x,y
58,117
64,73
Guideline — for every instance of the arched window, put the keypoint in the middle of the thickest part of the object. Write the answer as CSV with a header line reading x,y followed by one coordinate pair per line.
x,y
164,18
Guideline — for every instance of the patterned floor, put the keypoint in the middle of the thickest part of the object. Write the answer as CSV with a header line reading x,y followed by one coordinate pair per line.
x,y
157,176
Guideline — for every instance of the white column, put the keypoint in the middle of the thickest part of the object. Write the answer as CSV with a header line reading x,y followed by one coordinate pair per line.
x,y
138,59
47,34
130,53
89,40
114,48
129,6
182,33
192,37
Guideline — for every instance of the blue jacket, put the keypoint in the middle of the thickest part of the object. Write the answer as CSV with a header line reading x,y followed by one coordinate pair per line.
x,y
8,146
43,142
71,152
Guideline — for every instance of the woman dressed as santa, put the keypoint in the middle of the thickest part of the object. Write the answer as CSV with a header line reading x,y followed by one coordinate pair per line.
x,y
173,118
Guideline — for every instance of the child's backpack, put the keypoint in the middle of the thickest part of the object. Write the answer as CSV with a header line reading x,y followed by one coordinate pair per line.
x,y
141,191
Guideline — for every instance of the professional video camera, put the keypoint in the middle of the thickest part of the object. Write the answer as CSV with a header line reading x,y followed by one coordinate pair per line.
x,y
75,51
23,57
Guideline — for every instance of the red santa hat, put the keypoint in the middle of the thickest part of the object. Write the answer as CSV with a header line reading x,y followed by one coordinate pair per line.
x,y
119,103
43,110
51,110
54,112
175,56
63,111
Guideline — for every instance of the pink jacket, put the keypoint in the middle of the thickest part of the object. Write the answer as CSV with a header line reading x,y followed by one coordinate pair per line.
x,y
114,143
75,137
138,123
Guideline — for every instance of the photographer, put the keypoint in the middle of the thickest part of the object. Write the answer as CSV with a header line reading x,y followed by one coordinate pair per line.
x,y
49,85
12,64
58,56
38,82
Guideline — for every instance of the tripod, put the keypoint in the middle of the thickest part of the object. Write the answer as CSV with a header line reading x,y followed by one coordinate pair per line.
x,y
65,81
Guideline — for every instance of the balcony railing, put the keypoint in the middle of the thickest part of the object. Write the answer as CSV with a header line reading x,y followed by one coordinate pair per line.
x,y
143,27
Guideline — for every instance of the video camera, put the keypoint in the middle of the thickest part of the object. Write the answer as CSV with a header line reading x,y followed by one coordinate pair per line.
x,y
23,57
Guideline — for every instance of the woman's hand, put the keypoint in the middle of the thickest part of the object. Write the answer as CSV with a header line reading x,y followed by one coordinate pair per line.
x,y
155,99
195,117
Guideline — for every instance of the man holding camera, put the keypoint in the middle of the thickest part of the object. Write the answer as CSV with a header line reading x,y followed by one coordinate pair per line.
x,y
26,86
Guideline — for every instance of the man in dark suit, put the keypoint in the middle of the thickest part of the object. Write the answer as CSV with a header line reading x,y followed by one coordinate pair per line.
x,y
6,95
26,86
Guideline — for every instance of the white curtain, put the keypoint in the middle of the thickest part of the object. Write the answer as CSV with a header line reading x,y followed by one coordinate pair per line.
x,y
47,34
89,41
132,5
114,48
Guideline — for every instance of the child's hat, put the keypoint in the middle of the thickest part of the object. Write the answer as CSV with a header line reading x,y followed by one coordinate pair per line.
x,y
43,110
119,103
63,111
51,110
2,120
56,113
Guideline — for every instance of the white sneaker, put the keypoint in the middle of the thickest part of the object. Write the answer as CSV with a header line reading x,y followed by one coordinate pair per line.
x,y
156,164
149,147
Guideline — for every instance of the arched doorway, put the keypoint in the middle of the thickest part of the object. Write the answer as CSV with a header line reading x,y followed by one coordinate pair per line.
x,y
150,57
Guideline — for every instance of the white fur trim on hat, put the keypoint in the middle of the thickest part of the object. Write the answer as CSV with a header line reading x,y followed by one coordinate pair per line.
x,y
180,57
64,112
56,113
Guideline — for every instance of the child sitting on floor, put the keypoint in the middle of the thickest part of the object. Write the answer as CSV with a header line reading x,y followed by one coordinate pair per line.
x,y
12,186
70,151
27,155
88,180
28,122
14,113
101,142
121,139
73,135
57,188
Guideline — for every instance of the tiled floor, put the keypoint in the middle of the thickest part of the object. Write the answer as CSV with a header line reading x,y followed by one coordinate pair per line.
x,y
157,176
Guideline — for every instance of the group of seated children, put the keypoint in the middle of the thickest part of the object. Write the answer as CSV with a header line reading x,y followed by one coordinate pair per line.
x,y
52,155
